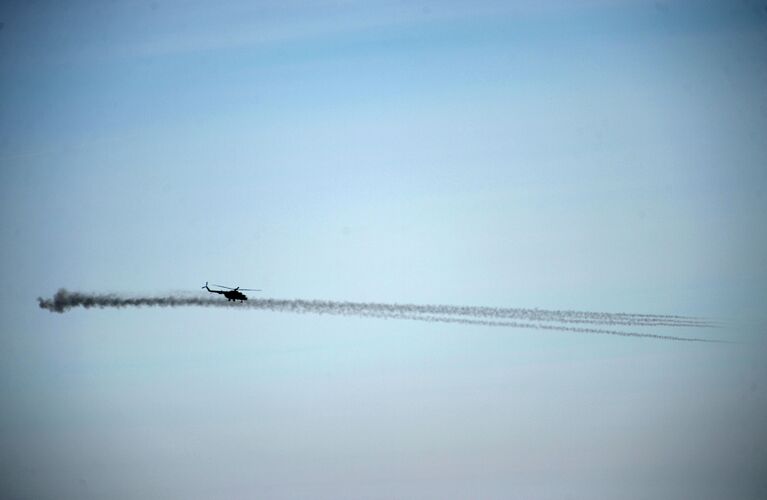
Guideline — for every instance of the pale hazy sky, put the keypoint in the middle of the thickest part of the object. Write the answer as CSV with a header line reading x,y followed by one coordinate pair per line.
x,y
596,155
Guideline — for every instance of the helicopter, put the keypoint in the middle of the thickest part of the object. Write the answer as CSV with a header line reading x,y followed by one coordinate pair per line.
x,y
231,294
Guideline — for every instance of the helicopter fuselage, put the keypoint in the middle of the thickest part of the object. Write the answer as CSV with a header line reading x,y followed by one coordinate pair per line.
x,y
235,295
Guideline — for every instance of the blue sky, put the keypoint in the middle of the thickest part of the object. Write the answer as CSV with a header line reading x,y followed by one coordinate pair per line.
x,y
602,156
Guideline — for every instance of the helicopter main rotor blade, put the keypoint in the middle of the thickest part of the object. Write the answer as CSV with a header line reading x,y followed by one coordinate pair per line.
x,y
222,286
251,289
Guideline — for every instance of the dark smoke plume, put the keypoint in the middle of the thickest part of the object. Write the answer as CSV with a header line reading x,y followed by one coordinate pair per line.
x,y
541,319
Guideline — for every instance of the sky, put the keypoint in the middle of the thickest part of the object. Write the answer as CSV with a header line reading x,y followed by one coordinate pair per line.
x,y
600,155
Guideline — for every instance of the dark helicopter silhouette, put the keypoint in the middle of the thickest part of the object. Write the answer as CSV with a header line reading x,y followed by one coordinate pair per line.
x,y
231,293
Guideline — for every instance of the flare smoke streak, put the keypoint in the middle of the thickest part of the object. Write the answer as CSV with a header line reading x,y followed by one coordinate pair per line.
x,y
541,319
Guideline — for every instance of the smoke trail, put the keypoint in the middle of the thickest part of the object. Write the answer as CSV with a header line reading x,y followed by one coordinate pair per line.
x,y
297,305
64,300
538,326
